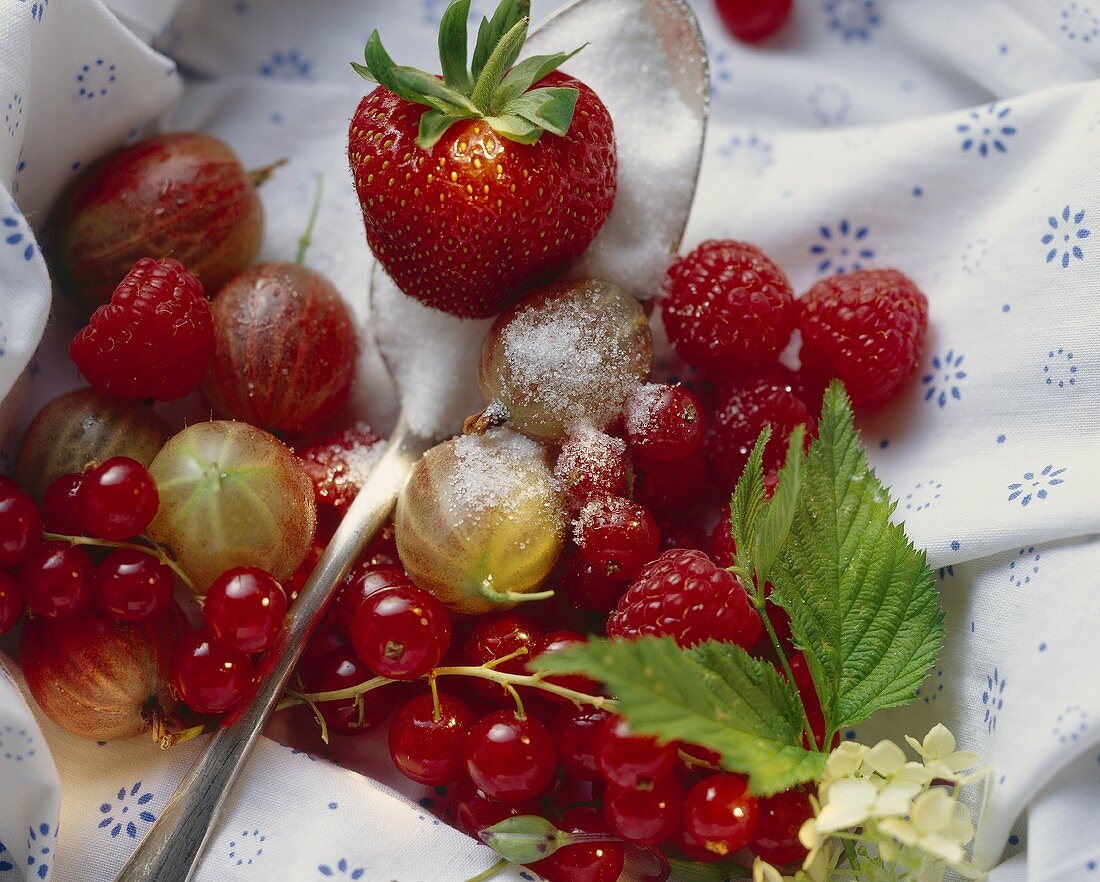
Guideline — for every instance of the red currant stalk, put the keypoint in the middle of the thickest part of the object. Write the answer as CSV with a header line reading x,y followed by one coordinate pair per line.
x,y
153,550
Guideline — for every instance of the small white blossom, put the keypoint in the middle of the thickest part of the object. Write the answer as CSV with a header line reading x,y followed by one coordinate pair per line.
x,y
845,760
939,754
885,758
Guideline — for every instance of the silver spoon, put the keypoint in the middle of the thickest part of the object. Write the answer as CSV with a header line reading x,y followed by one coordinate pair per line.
x,y
172,849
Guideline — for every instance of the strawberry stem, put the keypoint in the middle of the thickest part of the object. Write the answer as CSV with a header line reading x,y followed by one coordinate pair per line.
x,y
503,55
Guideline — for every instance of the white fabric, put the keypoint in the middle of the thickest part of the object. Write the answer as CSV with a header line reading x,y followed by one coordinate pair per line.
x,y
858,120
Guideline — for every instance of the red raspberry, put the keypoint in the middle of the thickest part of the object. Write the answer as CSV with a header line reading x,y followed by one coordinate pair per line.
x,y
727,306
741,412
339,464
866,328
684,595
153,340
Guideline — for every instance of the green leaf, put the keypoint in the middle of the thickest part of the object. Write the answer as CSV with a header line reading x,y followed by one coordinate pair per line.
x,y
515,128
772,528
687,870
550,109
426,89
452,45
528,72
861,598
747,506
503,56
433,124
381,66
714,695
363,71
489,34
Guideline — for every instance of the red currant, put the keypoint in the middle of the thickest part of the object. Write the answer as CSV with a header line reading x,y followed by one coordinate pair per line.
x,y
341,669
57,579
20,525
644,817
11,602
781,817
428,747
510,758
754,20
495,636
402,632
117,499
244,608
60,508
324,640
618,535
720,817
556,641
358,586
671,486
591,464
575,730
664,423
589,587
133,586
208,677
631,760
473,811
583,862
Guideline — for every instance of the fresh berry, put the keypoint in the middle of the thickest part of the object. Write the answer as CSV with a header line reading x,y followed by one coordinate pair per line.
x,y
575,734
644,817
20,525
401,632
671,486
340,668
11,602
664,423
742,410
339,464
117,499
473,811
61,506
133,586
458,210
720,817
509,758
752,21
56,580
208,677
589,587
360,584
865,327
682,530
630,760
727,307
324,640
591,464
723,550
804,682
684,595
556,641
153,340
427,746
495,636
583,862
244,608
781,817
618,535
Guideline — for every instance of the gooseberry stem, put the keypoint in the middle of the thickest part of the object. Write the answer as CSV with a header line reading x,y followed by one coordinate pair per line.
x,y
488,873
259,175
153,550
307,236
490,593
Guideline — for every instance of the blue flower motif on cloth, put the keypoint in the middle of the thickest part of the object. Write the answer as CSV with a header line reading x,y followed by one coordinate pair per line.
x,y
1079,22
1035,485
241,7
842,247
13,114
126,810
720,73
942,382
993,699
245,848
5,859
973,253
947,572
36,7
1024,566
1071,724
15,232
931,691
1065,235
829,103
342,868
923,495
748,152
1060,370
16,743
309,756
94,79
986,130
40,843
286,66
852,19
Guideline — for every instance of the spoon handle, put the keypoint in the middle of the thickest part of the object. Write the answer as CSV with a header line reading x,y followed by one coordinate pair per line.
x,y
173,847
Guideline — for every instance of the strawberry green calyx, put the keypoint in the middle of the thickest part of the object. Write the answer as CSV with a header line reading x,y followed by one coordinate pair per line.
x,y
494,87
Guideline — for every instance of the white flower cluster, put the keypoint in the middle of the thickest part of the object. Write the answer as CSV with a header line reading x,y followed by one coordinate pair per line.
x,y
890,817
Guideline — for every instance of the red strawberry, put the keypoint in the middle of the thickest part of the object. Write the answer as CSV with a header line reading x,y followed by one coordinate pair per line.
x,y
477,187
